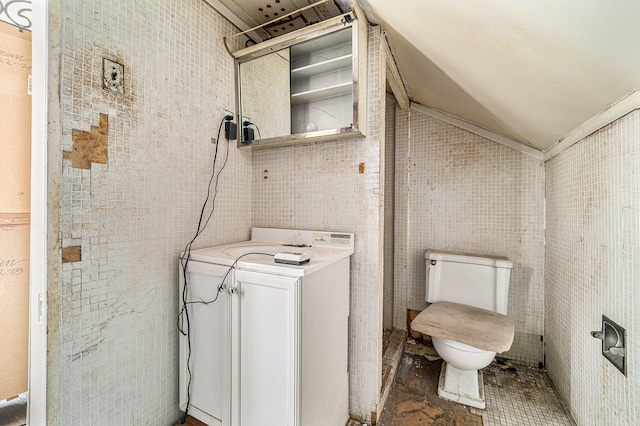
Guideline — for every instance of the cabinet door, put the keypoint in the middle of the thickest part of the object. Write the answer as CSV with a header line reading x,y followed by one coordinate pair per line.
x,y
265,355
210,357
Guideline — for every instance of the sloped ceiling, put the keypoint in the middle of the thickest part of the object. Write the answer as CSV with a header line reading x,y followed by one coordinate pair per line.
x,y
532,71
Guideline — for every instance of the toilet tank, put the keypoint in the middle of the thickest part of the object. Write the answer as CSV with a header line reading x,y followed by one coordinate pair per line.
x,y
469,279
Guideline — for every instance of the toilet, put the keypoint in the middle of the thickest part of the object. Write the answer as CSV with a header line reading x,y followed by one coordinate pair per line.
x,y
466,319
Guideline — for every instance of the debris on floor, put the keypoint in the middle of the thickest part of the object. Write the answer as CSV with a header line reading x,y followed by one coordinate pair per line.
x,y
514,394
422,347
413,400
505,365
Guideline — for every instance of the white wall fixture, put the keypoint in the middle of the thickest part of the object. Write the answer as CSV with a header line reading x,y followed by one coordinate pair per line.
x,y
613,343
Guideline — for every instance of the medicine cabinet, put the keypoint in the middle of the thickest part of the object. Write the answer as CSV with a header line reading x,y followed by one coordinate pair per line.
x,y
308,85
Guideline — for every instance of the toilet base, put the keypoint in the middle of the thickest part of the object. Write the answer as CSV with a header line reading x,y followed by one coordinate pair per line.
x,y
462,386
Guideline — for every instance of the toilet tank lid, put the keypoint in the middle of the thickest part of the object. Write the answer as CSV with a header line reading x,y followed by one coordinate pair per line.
x,y
476,259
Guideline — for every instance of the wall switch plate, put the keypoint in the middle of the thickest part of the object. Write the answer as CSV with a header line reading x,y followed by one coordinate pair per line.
x,y
112,76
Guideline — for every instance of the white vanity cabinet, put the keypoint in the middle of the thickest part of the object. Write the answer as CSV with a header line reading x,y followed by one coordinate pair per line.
x,y
272,350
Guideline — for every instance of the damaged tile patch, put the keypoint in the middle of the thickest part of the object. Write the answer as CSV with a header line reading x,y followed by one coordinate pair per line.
x,y
89,147
71,254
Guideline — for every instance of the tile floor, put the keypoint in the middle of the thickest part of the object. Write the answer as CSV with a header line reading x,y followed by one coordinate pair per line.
x,y
515,395
14,412
522,397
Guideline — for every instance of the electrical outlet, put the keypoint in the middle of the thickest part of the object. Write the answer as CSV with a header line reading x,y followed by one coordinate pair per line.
x,y
112,76
227,112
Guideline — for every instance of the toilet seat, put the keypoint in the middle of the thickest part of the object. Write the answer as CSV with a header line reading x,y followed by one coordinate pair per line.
x,y
476,327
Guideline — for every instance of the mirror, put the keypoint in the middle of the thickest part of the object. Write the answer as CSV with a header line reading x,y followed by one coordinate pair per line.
x,y
299,90
265,94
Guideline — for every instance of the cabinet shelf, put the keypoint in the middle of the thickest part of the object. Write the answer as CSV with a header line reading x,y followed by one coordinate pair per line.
x,y
329,65
321,93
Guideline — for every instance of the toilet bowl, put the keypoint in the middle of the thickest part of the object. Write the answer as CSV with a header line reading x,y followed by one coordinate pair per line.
x,y
466,320
460,378
461,356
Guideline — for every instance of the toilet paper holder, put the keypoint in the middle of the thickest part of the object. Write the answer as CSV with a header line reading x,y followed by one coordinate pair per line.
x,y
613,343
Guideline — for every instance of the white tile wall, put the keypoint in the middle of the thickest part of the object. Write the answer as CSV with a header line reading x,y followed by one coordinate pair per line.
x,y
454,190
401,220
318,186
593,268
466,193
389,201
132,216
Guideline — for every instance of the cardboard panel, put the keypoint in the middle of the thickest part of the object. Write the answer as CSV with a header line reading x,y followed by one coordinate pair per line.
x,y
15,119
14,309
15,171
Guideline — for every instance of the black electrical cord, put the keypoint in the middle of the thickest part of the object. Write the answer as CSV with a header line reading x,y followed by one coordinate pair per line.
x,y
222,285
184,309
183,315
